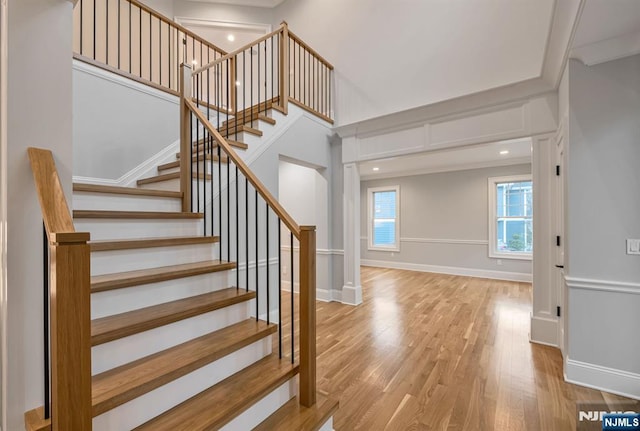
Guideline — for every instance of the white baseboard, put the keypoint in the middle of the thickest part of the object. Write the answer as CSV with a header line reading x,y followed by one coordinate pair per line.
x,y
451,270
605,379
544,331
323,295
351,295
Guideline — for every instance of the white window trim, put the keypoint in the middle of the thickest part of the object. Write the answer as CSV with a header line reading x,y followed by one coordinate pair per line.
x,y
492,182
395,247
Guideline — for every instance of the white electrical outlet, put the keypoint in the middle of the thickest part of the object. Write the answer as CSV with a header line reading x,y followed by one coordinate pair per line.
x,y
284,269
499,262
633,246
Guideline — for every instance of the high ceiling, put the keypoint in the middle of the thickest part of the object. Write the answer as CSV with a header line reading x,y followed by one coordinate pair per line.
x,y
255,3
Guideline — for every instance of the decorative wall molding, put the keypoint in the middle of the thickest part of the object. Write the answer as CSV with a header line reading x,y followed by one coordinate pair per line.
x,y
445,241
440,241
450,270
319,251
603,285
83,67
603,378
231,25
608,50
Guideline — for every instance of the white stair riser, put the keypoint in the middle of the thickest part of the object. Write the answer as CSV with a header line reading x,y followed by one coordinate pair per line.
x,y
138,228
261,410
131,298
103,201
204,167
152,404
107,262
118,352
170,185
328,425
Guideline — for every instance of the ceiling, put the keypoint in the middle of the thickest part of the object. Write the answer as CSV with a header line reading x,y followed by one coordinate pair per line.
x,y
455,159
606,19
254,3
607,30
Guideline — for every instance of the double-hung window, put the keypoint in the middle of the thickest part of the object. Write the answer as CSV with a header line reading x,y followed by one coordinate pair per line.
x,y
384,218
511,217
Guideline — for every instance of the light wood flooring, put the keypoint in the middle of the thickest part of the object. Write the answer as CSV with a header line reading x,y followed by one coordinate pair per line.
x,y
438,352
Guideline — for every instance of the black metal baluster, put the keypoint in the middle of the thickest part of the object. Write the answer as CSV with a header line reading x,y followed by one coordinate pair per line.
x,y
130,45
150,50
279,286
246,233
140,41
94,29
220,198
119,19
45,309
292,304
251,84
237,235
228,213
257,248
187,165
160,49
106,31
81,26
266,216
197,77
299,98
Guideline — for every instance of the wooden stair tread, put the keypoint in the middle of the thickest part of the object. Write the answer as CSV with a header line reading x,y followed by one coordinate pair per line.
x,y
118,280
96,188
240,119
119,385
195,159
239,129
293,416
102,214
168,177
237,144
122,325
200,157
221,403
130,244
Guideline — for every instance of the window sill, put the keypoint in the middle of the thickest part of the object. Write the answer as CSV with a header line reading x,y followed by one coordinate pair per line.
x,y
387,249
512,256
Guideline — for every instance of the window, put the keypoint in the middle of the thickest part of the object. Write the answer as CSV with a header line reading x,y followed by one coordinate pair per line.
x,y
384,220
510,217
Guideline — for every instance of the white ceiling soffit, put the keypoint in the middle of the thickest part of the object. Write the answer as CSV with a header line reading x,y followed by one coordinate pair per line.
x,y
254,3
518,151
607,30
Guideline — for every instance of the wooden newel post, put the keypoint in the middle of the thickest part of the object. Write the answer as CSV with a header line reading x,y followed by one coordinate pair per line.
x,y
283,97
185,138
70,332
307,315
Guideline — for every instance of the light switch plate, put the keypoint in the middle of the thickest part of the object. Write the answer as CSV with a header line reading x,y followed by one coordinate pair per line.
x,y
633,246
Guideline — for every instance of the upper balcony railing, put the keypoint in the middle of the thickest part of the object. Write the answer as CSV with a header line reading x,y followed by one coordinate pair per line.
x,y
131,39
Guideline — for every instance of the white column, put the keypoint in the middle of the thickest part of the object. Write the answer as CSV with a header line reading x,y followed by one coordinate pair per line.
x,y
352,290
544,323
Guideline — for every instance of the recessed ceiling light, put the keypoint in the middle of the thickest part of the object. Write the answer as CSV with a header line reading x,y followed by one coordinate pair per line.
x,y
238,83
194,62
231,38
504,152
376,169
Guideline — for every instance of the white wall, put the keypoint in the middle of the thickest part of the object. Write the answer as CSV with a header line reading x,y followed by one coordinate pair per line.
x,y
222,12
117,123
603,210
39,114
444,223
402,44
165,7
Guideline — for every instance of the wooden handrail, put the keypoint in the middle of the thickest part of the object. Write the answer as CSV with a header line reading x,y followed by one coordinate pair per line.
x,y
55,211
313,52
237,51
70,280
242,166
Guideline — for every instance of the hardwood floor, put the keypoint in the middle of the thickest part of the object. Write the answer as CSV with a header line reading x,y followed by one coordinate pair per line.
x,y
438,352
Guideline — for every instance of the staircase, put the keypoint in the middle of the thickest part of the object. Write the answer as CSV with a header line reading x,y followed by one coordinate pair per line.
x,y
177,319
